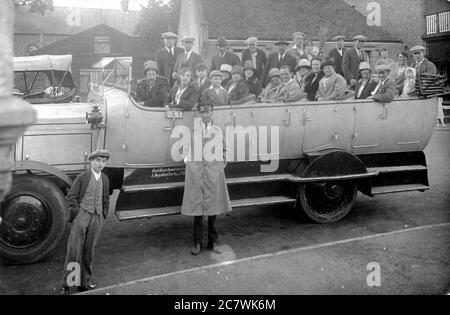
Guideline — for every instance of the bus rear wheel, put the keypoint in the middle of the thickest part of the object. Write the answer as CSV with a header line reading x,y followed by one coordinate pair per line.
x,y
34,220
328,202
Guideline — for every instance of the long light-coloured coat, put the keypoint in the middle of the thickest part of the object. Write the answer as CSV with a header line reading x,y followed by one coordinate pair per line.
x,y
333,88
205,188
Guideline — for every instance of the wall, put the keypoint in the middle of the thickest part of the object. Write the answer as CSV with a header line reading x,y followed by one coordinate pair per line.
x,y
402,18
23,41
436,6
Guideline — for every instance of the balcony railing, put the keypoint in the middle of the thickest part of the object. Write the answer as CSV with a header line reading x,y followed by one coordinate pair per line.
x,y
438,23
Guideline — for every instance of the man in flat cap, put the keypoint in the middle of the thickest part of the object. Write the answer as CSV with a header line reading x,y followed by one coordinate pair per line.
x,y
386,90
167,56
88,203
255,55
278,59
337,53
224,56
154,89
189,59
298,50
421,64
352,58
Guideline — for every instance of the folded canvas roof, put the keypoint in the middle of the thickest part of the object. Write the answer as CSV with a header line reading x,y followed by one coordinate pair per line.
x,y
43,62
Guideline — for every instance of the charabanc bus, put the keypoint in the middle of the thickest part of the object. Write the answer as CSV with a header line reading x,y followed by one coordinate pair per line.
x,y
326,152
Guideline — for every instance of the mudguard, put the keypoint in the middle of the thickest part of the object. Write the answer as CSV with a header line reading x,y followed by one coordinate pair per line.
x,y
41,167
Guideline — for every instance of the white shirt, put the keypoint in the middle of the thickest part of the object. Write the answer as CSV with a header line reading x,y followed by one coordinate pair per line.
x,y
96,175
205,127
187,55
363,85
360,54
301,51
170,50
281,57
179,94
341,52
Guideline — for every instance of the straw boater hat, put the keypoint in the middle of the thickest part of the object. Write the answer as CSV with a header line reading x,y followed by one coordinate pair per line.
x,y
169,35
99,153
274,72
226,68
417,48
361,38
338,37
150,65
365,66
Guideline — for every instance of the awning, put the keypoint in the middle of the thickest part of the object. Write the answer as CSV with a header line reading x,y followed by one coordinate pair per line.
x,y
43,63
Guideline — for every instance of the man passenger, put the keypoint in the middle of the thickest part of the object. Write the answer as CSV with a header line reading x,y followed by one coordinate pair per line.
x,y
352,59
202,82
224,56
167,56
154,89
421,64
215,94
255,55
290,92
278,59
337,53
188,59
298,50
386,89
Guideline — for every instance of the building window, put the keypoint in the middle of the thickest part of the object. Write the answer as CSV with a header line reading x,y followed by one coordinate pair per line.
x,y
444,22
102,45
432,24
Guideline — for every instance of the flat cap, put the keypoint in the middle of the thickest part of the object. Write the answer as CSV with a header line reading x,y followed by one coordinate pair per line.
x,y
222,42
99,153
169,35
338,37
417,48
382,68
248,64
225,67
361,38
215,73
150,65
365,66
251,40
274,72
188,39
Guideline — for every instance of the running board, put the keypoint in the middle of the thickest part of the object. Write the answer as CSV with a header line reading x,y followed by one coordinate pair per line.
x,y
397,169
167,211
398,188
249,180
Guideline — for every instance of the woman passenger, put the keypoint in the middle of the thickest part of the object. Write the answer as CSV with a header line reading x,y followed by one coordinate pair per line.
x,y
301,71
313,79
253,83
226,75
238,90
384,59
184,95
366,85
399,69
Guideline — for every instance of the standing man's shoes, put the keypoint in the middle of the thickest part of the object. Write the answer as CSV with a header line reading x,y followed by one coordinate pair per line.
x,y
85,288
196,249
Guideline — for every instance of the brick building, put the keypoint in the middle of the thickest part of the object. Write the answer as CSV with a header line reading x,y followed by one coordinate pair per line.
x,y
271,19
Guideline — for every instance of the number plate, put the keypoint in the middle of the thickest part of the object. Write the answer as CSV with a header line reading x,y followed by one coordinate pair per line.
x,y
174,114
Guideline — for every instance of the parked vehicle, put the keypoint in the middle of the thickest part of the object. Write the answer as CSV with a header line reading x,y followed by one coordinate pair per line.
x,y
328,151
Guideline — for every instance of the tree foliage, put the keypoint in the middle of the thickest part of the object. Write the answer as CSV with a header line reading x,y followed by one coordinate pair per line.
x,y
35,5
160,16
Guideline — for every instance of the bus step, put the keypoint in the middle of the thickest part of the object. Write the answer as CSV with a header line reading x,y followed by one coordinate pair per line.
x,y
397,169
398,188
167,211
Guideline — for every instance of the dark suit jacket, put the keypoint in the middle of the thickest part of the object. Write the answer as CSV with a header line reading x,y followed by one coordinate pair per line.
x,y
272,62
311,86
154,97
209,96
180,62
77,191
166,62
387,92
206,84
254,86
261,60
189,98
337,59
350,64
368,89
240,94
427,67
229,59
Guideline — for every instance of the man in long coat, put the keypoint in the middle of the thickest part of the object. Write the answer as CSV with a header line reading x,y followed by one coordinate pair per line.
x,y
352,58
167,56
205,189
223,56
256,55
